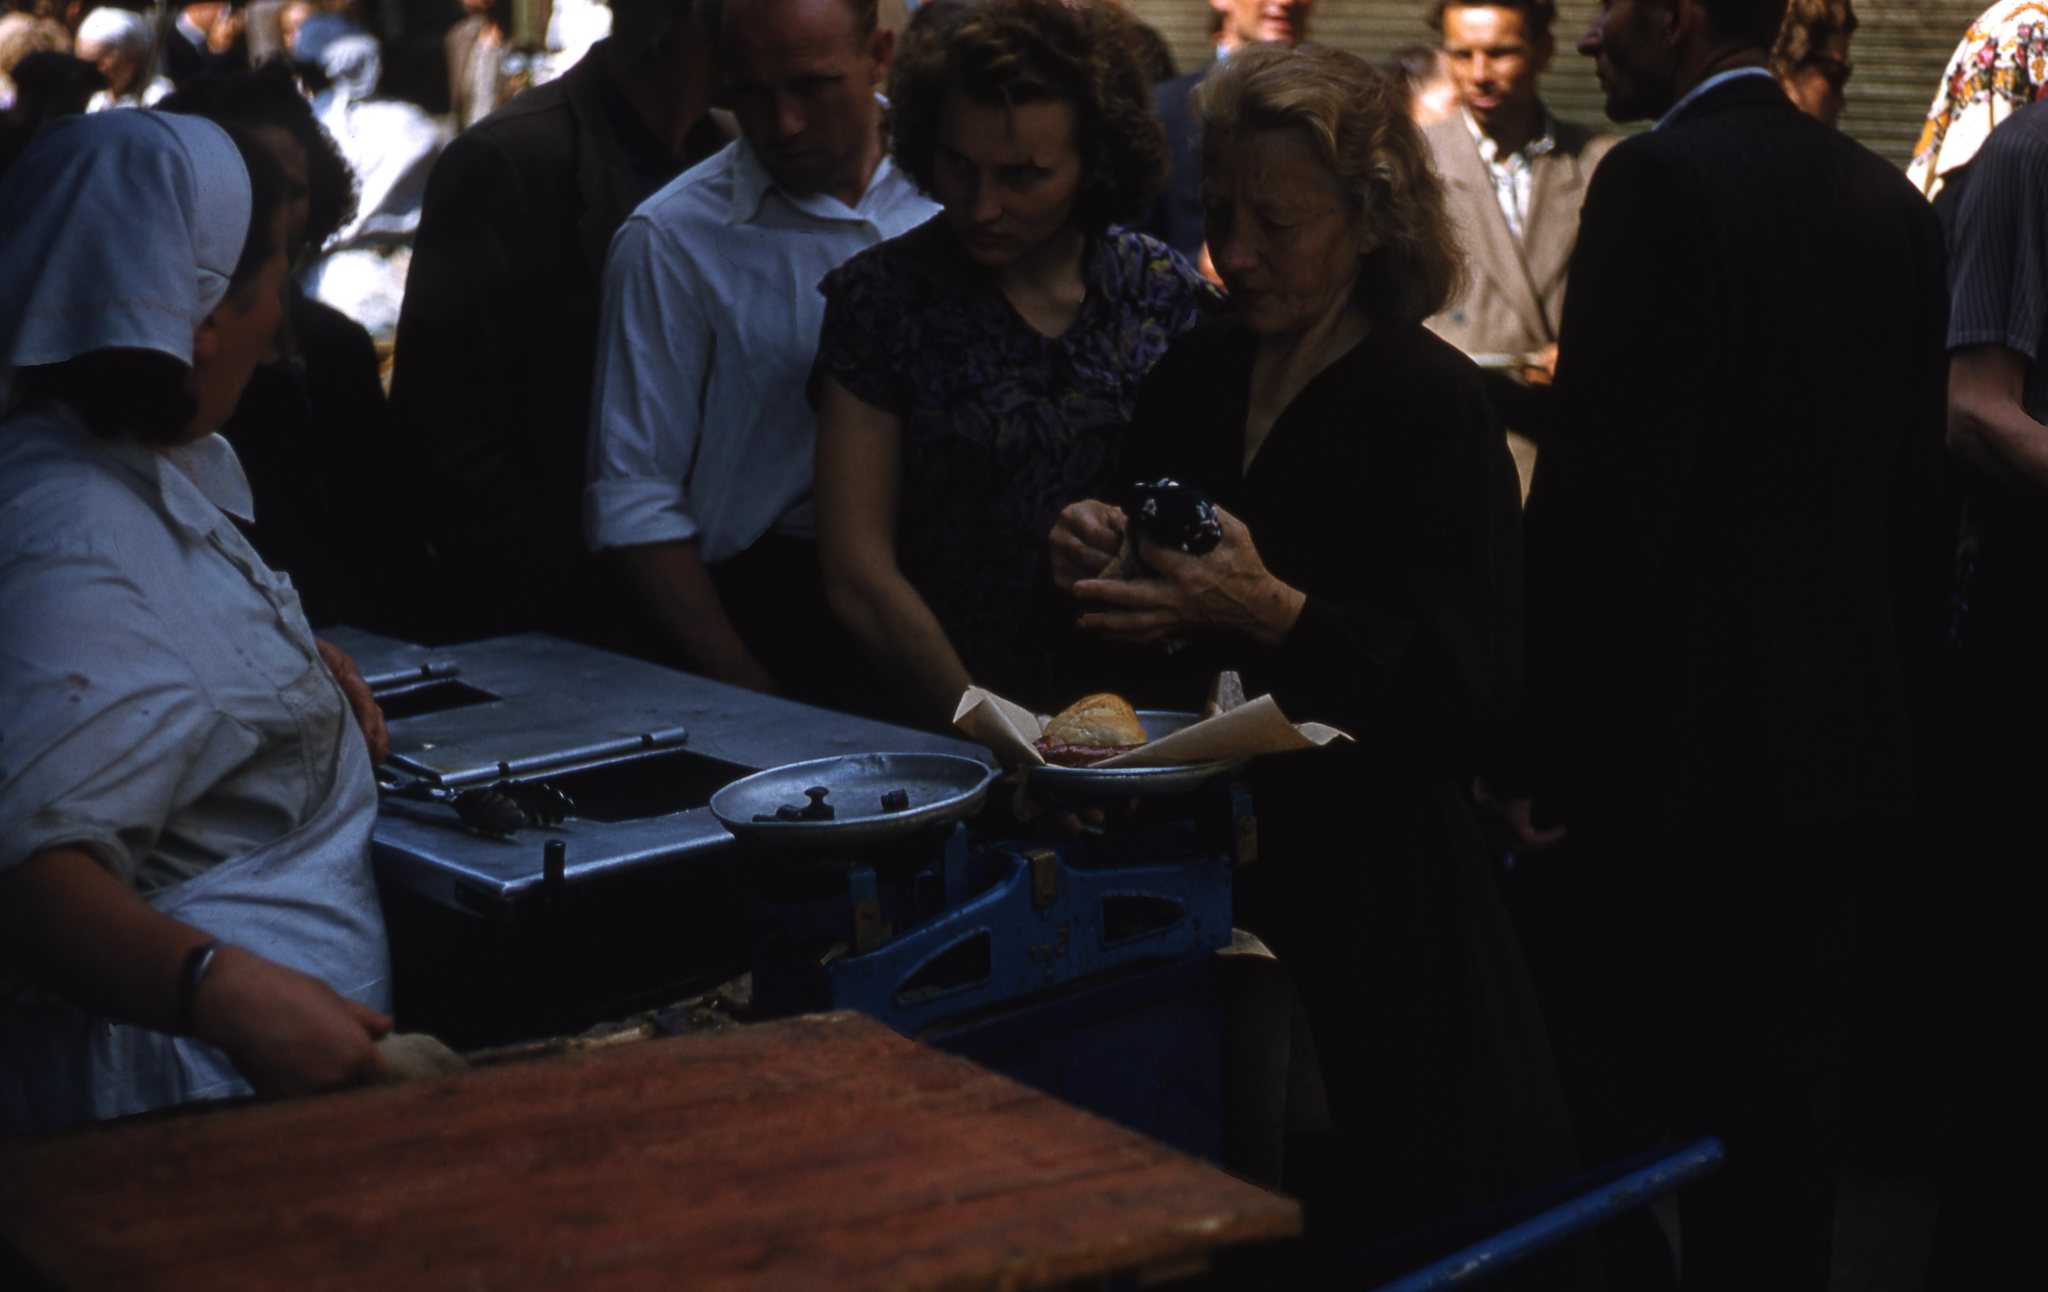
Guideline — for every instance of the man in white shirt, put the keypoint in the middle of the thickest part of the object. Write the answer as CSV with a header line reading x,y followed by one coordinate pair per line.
x,y
700,450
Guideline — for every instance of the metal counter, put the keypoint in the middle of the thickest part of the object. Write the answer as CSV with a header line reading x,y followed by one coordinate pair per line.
x,y
641,747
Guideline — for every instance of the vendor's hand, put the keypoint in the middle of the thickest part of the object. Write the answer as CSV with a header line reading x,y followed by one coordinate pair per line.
x,y
1514,815
1539,367
288,1033
364,705
1087,537
1226,588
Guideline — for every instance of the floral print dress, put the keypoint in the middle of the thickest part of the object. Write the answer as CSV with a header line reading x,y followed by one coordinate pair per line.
x,y
1002,426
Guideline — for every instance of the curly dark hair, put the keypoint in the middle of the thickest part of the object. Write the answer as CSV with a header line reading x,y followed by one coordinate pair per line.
x,y
1084,53
1356,120
269,96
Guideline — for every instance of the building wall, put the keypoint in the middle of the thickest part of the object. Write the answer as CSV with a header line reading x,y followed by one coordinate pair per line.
x,y
1899,52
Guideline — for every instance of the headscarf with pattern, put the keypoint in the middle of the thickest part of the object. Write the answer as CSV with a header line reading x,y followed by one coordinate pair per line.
x,y
2000,66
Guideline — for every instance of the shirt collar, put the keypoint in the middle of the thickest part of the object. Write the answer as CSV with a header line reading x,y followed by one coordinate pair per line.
x,y
212,467
1489,151
751,185
1718,78
203,479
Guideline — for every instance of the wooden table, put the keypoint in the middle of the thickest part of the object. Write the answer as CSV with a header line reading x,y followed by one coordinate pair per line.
x,y
817,1153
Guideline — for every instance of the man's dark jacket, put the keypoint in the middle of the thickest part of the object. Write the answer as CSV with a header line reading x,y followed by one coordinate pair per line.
x,y
491,384
1176,218
1729,531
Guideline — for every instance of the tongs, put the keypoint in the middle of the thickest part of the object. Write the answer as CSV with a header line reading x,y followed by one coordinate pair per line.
x,y
496,811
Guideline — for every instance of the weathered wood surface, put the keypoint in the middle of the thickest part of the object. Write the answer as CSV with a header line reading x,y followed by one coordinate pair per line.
x,y
822,1152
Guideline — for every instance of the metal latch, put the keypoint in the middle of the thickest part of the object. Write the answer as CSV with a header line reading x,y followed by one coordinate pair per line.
x,y
1045,876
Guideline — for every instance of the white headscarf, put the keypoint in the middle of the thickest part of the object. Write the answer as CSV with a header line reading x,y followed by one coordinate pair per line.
x,y
123,29
352,65
123,230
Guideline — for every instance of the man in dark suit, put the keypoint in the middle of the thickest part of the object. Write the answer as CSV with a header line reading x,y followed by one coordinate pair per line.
x,y
204,38
497,344
1176,218
1725,531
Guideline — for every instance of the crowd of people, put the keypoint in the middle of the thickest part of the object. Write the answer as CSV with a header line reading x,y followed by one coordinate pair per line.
x,y
1663,516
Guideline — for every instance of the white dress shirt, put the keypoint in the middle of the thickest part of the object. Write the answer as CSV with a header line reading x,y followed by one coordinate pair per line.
x,y
700,424
1513,174
164,709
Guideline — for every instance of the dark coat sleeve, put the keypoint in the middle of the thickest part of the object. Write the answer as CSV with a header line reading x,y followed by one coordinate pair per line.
x,y
462,359
1396,512
1421,657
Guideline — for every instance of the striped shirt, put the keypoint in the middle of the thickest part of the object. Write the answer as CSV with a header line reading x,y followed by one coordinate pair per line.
x,y
1998,279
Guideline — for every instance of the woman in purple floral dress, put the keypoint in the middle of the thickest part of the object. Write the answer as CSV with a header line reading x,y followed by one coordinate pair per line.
x,y
977,374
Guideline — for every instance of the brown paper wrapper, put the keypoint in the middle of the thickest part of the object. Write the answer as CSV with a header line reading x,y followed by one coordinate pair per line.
x,y
1253,728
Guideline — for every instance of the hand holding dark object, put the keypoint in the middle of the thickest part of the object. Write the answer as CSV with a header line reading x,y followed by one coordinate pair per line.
x,y
1228,588
1162,512
1086,537
363,704
1170,514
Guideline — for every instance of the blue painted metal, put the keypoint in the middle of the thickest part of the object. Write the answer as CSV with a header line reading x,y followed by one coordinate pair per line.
x,y
1082,967
1044,921
1141,1046
1591,1206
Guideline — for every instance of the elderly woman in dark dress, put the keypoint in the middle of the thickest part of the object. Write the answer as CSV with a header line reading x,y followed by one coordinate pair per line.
x,y
976,374
1382,594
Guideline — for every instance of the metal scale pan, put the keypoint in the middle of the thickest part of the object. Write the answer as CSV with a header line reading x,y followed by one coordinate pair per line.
x,y
1082,786
940,788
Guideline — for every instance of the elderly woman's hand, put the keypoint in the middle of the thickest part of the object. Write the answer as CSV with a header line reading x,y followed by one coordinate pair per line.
x,y
1228,588
1087,537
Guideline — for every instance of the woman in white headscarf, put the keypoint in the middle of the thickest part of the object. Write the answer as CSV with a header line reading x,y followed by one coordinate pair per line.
x,y
186,905
118,42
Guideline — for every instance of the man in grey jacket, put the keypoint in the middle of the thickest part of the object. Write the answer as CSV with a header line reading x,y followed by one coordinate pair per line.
x,y
1515,176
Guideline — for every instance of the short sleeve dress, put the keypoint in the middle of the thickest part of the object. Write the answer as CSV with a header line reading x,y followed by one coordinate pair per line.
x,y
1002,425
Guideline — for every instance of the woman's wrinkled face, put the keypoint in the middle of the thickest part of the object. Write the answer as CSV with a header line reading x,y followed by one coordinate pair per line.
x,y
1284,240
1007,176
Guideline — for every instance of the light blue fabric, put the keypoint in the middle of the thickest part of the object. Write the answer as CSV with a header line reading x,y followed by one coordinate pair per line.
x,y
163,706
122,230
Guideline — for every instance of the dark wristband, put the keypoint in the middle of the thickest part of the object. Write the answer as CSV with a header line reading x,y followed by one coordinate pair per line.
x,y
190,974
